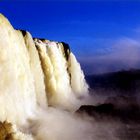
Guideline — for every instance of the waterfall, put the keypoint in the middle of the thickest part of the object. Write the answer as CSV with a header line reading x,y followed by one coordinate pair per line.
x,y
78,83
17,89
35,74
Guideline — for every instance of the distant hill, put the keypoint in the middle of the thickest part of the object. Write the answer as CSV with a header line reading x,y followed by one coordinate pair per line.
x,y
122,82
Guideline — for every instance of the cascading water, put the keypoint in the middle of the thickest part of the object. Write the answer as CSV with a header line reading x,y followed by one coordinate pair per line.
x,y
34,74
78,83
57,79
17,90
36,71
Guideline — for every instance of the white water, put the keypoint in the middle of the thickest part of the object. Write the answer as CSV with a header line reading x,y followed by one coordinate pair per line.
x,y
57,79
37,72
33,78
17,90
78,83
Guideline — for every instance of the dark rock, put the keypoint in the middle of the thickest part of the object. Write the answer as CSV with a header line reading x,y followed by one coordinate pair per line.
x,y
66,49
6,131
93,110
109,110
23,32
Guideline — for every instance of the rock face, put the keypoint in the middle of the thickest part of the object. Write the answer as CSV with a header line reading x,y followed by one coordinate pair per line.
x,y
9,132
35,73
6,131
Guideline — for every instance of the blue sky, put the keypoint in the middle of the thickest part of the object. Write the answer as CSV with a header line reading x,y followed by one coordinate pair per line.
x,y
104,35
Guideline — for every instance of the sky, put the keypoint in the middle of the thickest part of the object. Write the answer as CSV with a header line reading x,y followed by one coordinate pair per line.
x,y
103,34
